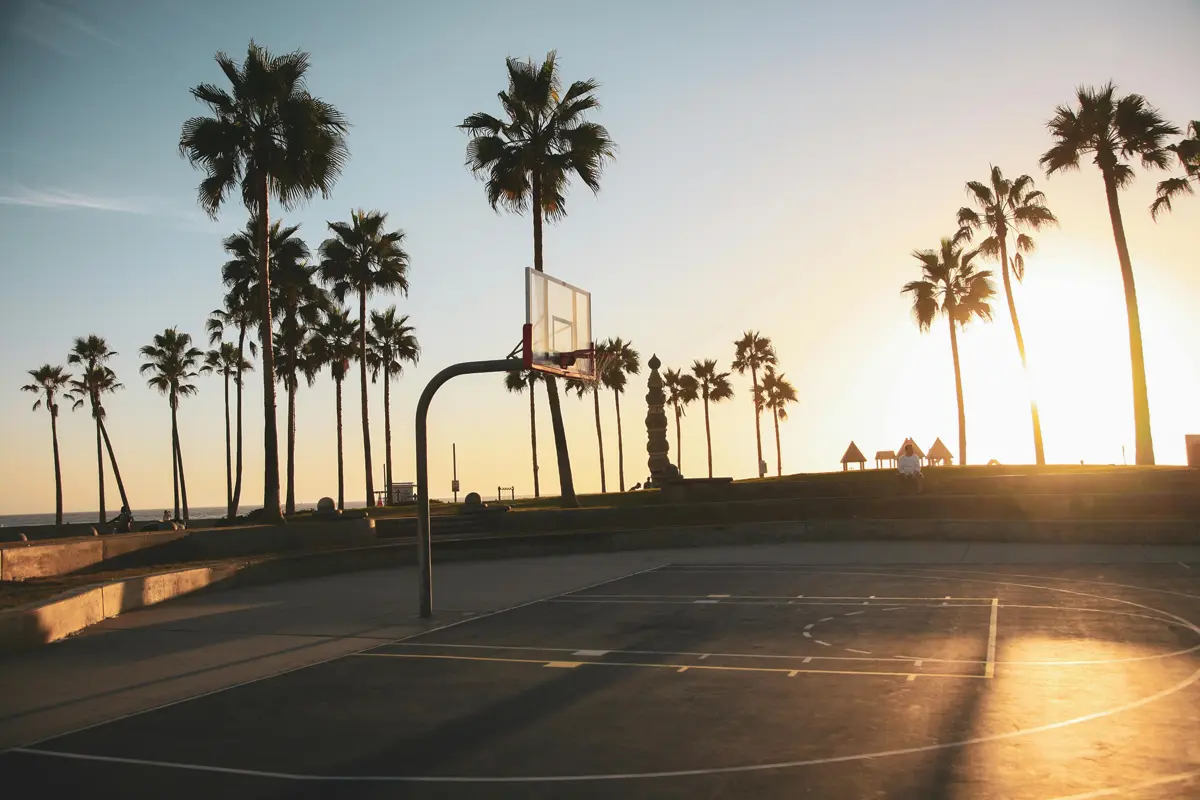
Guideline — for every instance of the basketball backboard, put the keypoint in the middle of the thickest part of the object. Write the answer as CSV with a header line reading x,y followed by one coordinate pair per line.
x,y
557,336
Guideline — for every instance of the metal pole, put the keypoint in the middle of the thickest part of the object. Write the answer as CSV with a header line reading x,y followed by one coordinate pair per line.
x,y
466,368
454,455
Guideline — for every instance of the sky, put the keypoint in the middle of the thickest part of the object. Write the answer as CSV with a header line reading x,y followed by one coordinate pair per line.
x,y
778,163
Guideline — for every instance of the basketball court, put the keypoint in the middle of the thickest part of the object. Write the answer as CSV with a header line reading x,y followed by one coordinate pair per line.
x,y
704,680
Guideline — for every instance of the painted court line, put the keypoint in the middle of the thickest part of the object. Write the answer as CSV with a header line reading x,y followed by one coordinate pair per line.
x,y
590,653
826,644
809,626
989,669
807,635
852,613
860,652
562,664
825,619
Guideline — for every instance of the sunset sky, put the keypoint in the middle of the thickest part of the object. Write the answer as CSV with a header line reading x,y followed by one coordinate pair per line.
x,y
778,163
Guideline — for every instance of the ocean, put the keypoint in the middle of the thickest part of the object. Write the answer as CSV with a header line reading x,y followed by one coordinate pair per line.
x,y
139,515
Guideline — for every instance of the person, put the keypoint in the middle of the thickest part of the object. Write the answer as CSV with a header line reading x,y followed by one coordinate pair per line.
x,y
125,520
909,467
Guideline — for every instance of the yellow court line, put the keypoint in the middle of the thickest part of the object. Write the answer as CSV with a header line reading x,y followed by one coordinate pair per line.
x,y
676,667
990,670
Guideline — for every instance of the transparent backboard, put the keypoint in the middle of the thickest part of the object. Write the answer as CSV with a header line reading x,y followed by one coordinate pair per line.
x,y
558,330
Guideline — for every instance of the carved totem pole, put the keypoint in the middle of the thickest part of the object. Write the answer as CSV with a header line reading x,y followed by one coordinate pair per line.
x,y
656,428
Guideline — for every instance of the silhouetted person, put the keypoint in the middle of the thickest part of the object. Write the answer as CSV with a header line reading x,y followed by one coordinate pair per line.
x,y
909,467
125,520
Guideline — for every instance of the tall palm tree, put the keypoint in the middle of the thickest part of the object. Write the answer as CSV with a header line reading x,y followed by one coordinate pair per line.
x,y
775,393
1188,154
237,316
583,388
1113,130
333,344
950,285
714,387
291,360
269,138
226,362
390,343
682,389
753,352
171,362
97,380
519,381
363,258
526,159
623,362
47,382
1004,207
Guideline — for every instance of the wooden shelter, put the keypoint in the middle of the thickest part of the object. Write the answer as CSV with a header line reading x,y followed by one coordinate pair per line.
x,y
940,454
885,455
853,456
917,451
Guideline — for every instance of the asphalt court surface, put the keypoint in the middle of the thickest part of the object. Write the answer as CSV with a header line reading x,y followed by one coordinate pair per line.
x,y
715,680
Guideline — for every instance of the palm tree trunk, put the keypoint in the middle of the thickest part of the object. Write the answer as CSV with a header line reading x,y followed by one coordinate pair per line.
x,y
537,492
182,478
100,468
1144,442
112,459
58,501
778,452
599,438
341,469
237,481
566,482
1039,454
387,432
362,372
271,509
228,457
175,460
757,423
620,443
678,440
962,412
708,434
290,508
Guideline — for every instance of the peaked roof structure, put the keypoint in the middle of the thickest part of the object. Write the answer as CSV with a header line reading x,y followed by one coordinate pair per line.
x,y
917,451
853,455
939,452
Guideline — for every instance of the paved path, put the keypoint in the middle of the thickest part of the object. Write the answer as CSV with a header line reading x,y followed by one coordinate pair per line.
x,y
206,643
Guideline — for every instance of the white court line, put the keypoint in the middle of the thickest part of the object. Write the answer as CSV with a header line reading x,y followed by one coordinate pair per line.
x,y
809,626
818,641
860,652
1150,783
805,661
1185,566
851,614
989,670
807,635
825,619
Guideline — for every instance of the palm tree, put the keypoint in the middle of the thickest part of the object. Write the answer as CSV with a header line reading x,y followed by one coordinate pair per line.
x,y
714,387
775,393
753,352
270,138
583,387
682,389
526,160
333,343
47,382
1113,130
291,354
1003,207
363,258
518,381
97,380
242,276
228,363
623,362
172,362
950,285
1188,153
391,343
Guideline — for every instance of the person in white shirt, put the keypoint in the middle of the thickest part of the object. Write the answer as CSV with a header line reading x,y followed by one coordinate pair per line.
x,y
909,467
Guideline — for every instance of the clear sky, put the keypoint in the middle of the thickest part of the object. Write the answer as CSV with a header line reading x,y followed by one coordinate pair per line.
x,y
778,163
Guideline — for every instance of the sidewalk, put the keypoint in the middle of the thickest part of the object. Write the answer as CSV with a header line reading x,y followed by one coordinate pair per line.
x,y
200,644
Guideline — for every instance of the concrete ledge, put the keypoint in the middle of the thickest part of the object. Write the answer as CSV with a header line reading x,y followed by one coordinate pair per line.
x,y
41,623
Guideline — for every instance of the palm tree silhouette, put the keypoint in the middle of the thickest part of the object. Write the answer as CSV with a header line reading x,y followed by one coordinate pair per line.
x,y
333,343
97,380
682,389
240,316
775,393
714,387
363,258
390,343
950,285
526,160
225,361
519,381
172,361
623,361
1114,130
47,382
269,137
753,352
584,387
1004,207
1188,154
